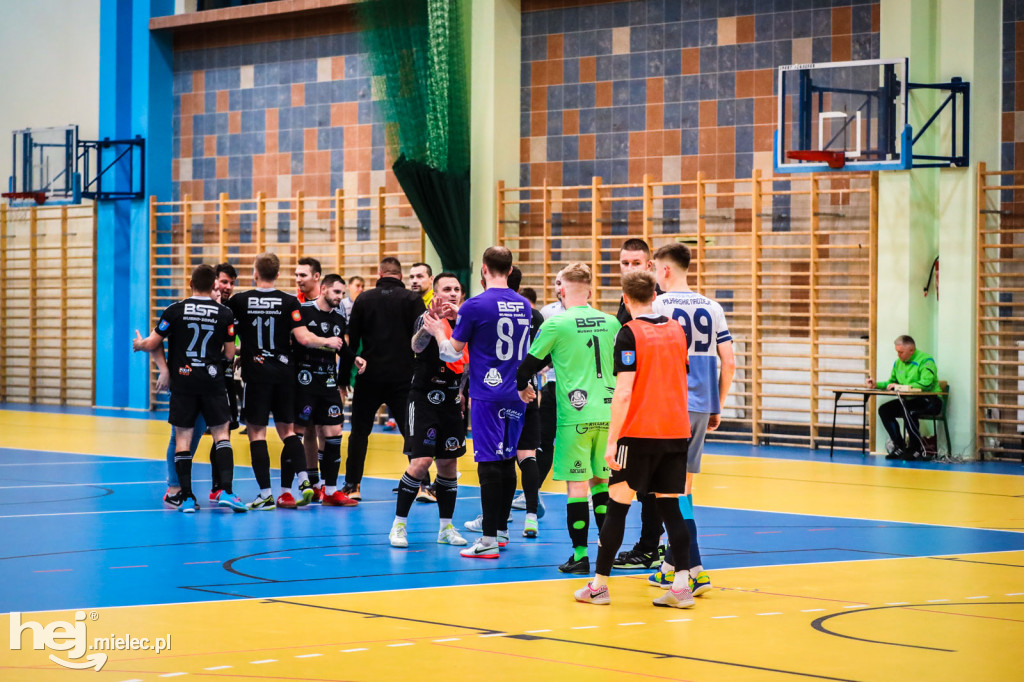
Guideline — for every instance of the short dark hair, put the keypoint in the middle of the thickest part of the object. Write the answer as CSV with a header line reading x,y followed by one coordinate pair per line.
x,y
498,260
905,340
636,244
446,275
677,252
430,270
529,294
228,269
313,263
639,286
356,278
515,278
330,280
203,277
390,266
267,266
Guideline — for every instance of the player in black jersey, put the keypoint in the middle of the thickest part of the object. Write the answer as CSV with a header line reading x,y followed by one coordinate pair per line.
x,y
265,319
437,431
318,398
200,336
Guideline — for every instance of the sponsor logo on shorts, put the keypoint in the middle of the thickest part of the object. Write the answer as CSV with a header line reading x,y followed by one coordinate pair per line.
x,y
432,433
505,413
333,411
305,377
164,324
185,370
493,377
578,398
451,445
582,428
212,370
306,411
628,358
577,468
436,397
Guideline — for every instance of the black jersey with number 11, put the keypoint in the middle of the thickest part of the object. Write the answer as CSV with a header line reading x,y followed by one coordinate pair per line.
x,y
196,330
264,320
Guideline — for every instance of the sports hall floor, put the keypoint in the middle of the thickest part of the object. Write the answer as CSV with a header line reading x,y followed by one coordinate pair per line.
x,y
846,570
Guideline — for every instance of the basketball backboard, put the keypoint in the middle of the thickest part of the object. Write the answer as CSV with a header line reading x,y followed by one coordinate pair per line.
x,y
45,161
848,115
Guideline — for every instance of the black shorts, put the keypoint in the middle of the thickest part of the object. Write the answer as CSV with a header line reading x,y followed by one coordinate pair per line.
x,y
322,409
529,439
652,465
436,431
260,400
185,407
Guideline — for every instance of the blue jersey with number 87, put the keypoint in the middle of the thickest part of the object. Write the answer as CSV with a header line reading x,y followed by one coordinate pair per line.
x,y
703,322
496,325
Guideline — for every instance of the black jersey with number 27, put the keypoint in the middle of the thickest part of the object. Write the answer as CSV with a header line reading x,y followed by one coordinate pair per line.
x,y
264,320
196,330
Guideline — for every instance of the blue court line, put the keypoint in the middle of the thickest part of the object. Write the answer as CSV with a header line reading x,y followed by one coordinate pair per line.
x,y
110,544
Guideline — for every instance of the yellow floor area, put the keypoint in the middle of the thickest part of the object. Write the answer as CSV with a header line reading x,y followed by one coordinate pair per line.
x,y
921,619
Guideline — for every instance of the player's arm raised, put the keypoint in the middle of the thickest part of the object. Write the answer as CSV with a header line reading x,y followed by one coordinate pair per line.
x,y
450,350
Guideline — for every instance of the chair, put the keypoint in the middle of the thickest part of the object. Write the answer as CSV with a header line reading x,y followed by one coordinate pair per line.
x,y
940,417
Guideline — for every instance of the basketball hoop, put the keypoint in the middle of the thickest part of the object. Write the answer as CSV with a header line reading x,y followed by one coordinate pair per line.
x,y
38,197
832,158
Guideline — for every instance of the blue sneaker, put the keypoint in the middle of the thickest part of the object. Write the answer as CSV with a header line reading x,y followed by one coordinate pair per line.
x,y
662,580
231,500
701,584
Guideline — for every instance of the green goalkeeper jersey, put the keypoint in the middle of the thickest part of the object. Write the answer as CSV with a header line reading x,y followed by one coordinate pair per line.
x,y
580,342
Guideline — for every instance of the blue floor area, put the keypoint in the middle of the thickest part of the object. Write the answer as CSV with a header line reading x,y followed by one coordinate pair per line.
x,y
84,531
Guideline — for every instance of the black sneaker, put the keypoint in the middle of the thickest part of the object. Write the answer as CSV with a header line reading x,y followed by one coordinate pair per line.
x,y
352,490
581,567
897,453
637,558
173,501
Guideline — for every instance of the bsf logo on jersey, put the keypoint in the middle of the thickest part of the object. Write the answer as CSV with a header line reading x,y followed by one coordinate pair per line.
x,y
578,398
305,377
436,397
493,377
201,309
257,303
590,322
628,358
510,306
333,411
297,316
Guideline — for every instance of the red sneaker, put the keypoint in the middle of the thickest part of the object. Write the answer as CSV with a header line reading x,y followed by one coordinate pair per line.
x,y
286,501
338,499
215,495
319,494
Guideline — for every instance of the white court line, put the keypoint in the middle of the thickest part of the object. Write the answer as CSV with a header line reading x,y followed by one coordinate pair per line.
x,y
265,660
308,655
496,634
718,617
1014,594
679,620
350,651
935,601
528,632
172,674
893,603
856,606
984,596
90,513
812,610
771,613
628,624
402,644
584,627
218,667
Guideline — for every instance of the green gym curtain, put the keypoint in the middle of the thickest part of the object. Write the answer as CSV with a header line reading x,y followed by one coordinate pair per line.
x,y
417,54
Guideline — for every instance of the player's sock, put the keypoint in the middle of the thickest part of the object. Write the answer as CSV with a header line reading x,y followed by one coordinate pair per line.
x,y
331,462
686,507
291,460
226,465
531,483
320,464
491,505
599,495
446,490
611,536
314,476
508,492
214,468
675,527
183,467
260,455
667,567
696,570
408,487
577,516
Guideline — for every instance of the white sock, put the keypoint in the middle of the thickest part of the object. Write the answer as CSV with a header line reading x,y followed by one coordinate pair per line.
x,y
681,581
696,570
330,490
599,581
666,567
266,492
303,477
445,523
488,540
401,519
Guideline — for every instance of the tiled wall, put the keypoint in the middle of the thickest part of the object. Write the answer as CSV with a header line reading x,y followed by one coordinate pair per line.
x,y
277,109
668,87
1013,85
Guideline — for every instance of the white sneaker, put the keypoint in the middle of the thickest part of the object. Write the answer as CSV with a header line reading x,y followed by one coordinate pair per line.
x,y
502,538
449,536
478,550
398,535
519,503
477,524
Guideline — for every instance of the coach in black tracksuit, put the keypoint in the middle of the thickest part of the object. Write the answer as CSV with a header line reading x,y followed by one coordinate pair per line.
x,y
382,321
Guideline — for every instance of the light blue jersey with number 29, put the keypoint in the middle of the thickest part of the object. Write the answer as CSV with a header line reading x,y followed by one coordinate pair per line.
x,y
703,321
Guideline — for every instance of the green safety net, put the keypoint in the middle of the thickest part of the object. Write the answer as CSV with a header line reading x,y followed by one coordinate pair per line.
x,y
417,54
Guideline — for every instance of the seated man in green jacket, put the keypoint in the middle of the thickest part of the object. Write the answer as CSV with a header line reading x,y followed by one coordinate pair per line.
x,y
913,370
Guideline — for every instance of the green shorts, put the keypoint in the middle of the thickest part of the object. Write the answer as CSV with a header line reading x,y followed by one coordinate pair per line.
x,y
579,452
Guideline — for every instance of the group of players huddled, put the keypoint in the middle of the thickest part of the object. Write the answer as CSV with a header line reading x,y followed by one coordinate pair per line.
x,y
633,397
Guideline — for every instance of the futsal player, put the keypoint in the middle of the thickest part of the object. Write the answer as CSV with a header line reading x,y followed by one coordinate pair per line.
x,y
708,342
308,273
437,432
580,343
265,320
318,398
647,436
200,336
496,326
